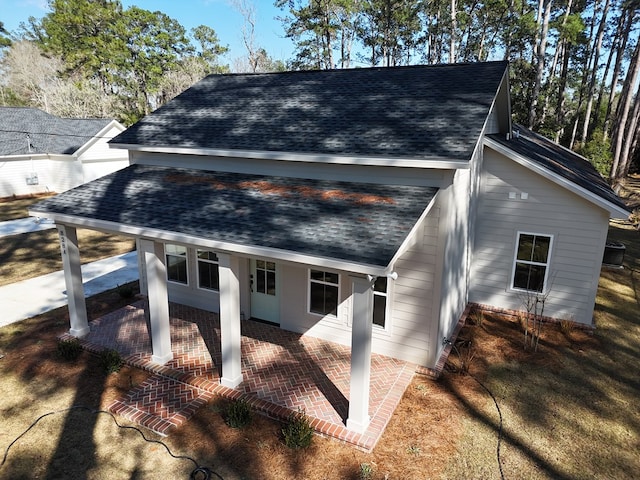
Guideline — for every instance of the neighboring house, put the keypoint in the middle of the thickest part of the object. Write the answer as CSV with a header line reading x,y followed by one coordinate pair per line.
x,y
41,153
367,207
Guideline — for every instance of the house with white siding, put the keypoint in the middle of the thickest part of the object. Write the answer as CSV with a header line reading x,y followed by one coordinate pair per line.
x,y
40,152
368,207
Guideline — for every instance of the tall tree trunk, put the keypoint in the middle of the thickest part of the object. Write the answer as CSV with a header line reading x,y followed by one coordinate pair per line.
x,y
624,107
605,75
560,100
594,71
625,27
540,57
633,152
454,29
630,139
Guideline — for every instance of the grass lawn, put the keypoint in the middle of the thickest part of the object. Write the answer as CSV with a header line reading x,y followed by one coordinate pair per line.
x,y
30,255
14,208
569,411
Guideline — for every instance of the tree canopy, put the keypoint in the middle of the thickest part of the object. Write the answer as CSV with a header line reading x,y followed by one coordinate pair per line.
x,y
135,57
574,63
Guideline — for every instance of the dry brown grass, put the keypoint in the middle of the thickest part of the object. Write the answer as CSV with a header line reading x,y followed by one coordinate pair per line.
x,y
30,255
14,208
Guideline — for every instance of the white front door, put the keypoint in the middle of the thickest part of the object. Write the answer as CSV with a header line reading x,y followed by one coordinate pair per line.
x,y
265,290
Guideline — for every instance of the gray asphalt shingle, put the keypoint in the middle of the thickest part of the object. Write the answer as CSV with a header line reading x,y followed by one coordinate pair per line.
x,y
415,112
560,161
354,222
30,130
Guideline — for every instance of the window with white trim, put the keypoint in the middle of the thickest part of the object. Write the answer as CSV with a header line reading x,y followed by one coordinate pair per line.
x,y
176,257
266,277
208,275
531,264
324,292
380,301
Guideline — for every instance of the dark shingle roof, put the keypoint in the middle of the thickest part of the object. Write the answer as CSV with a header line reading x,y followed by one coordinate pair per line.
x,y
353,222
46,133
559,160
420,112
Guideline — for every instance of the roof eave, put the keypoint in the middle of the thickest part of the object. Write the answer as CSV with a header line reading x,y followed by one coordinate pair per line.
x,y
112,124
410,240
245,250
614,210
40,156
435,163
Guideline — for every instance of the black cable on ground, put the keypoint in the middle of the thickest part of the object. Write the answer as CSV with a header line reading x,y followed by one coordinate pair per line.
x,y
495,401
499,428
199,472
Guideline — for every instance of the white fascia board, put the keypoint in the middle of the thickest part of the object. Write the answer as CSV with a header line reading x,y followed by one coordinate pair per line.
x,y
480,142
26,156
614,210
102,133
38,156
227,247
408,242
436,163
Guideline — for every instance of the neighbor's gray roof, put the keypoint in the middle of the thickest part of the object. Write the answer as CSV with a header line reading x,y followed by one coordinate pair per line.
x,y
420,112
353,222
30,130
560,161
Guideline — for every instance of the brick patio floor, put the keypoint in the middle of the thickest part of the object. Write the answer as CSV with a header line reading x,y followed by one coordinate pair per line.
x,y
283,371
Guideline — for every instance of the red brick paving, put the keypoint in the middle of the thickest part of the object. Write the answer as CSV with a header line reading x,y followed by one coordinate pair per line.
x,y
283,372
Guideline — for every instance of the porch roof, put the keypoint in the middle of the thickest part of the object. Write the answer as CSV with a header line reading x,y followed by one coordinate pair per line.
x,y
287,218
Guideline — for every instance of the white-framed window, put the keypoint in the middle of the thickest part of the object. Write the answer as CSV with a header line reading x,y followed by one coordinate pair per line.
x,y
266,277
208,274
531,262
324,292
176,257
380,302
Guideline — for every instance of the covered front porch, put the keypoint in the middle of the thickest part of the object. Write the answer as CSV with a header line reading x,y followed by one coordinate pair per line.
x,y
282,372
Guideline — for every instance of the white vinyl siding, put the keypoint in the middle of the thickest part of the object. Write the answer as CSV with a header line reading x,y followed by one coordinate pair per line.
x,y
344,173
578,228
62,172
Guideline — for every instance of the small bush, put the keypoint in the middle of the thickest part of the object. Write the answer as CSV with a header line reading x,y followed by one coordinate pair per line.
x,y
477,317
366,471
413,450
111,361
297,433
125,291
567,326
466,353
238,414
69,349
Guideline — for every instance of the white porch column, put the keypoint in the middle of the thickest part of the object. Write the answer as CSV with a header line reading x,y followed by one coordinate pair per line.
x,y
73,280
229,267
362,327
156,275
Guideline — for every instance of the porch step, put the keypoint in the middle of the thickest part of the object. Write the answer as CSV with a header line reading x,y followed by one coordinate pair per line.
x,y
160,403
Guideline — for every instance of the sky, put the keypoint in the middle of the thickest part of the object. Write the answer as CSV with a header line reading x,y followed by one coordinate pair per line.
x,y
217,14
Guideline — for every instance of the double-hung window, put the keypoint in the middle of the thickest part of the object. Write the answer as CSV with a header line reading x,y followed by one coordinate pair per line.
x,y
208,276
323,292
531,264
380,301
176,257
